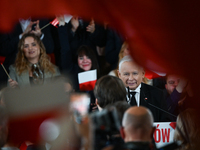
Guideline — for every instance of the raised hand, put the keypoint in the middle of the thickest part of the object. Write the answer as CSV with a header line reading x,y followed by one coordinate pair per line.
x,y
37,30
74,23
61,20
28,28
91,27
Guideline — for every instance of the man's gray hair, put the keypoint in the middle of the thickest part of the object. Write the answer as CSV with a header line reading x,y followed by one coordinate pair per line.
x,y
125,59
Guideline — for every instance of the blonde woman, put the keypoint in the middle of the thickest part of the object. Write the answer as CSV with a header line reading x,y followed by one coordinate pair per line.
x,y
32,65
123,52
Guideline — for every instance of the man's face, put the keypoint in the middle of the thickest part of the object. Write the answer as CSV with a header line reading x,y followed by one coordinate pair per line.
x,y
171,83
131,75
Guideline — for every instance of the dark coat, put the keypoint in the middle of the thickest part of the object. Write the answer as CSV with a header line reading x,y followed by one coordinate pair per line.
x,y
152,95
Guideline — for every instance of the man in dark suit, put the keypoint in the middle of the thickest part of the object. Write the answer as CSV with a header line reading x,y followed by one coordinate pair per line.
x,y
9,42
141,94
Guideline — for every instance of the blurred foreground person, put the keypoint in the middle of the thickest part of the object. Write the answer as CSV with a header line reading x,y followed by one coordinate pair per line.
x,y
5,143
188,130
3,126
40,115
32,65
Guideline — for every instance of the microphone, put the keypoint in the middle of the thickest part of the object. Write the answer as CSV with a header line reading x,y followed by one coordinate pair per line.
x,y
145,99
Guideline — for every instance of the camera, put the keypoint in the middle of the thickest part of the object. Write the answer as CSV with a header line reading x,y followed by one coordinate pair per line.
x,y
105,124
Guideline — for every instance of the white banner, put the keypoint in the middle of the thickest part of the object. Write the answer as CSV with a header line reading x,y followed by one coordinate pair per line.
x,y
164,133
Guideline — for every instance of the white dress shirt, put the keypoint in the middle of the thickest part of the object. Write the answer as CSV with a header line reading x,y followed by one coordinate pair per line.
x,y
137,95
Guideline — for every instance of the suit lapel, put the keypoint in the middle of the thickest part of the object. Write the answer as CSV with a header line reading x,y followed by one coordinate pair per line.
x,y
143,94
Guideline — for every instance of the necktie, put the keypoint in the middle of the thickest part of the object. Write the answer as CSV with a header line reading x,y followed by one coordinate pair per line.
x,y
133,100
38,75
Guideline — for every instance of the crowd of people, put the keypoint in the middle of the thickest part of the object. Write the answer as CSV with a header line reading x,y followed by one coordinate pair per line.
x,y
35,57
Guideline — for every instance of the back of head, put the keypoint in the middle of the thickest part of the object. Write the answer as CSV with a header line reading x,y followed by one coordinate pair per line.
x,y
188,124
108,90
121,107
138,124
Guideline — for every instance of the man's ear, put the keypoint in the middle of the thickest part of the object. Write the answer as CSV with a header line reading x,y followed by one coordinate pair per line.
x,y
152,131
119,74
122,132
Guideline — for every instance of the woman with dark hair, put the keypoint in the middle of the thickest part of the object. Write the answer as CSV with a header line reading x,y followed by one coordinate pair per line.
x,y
32,65
85,56
86,61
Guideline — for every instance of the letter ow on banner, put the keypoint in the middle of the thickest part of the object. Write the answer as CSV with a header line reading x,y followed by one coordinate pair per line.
x,y
164,133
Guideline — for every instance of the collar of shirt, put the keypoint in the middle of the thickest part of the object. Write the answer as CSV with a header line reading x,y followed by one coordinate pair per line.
x,y
137,90
137,95
24,23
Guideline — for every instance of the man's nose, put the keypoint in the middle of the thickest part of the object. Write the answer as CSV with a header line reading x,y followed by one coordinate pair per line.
x,y
131,77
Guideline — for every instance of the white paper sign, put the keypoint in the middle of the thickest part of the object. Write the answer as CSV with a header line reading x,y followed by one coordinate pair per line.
x,y
164,133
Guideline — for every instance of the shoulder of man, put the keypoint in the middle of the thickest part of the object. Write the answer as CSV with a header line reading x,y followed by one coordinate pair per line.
x,y
151,88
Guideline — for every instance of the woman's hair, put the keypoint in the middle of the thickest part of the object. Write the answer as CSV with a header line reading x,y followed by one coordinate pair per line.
x,y
188,129
86,50
108,90
22,63
121,55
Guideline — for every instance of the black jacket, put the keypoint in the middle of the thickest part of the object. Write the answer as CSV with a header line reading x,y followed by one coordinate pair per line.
x,y
150,95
